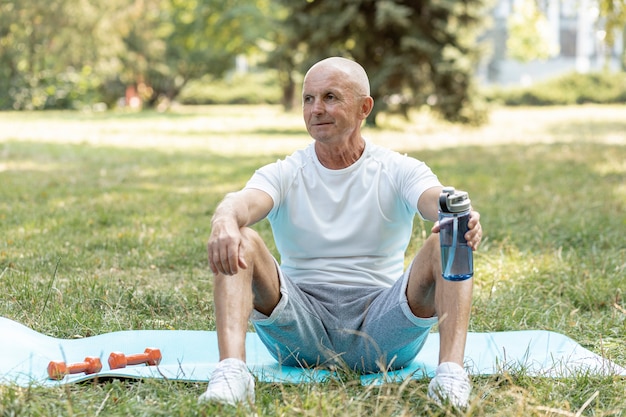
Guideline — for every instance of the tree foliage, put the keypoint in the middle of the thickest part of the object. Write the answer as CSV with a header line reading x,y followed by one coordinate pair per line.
x,y
614,14
529,33
169,42
70,53
60,53
46,53
415,52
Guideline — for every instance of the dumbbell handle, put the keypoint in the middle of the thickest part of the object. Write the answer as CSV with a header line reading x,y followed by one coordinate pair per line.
x,y
58,370
138,358
151,357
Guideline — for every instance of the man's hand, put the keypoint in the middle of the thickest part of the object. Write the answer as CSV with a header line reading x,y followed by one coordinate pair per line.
x,y
237,210
224,248
475,233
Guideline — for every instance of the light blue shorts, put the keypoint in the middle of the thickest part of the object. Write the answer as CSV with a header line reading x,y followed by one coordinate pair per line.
x,y
366,329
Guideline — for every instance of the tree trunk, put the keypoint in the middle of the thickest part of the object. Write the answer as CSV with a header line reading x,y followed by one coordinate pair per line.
x,y
289,90
623,54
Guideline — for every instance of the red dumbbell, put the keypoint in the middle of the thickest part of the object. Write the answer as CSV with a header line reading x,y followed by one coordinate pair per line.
x,y
151,356
58,370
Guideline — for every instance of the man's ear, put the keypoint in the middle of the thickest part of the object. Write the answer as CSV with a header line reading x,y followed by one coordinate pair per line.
x,y
366,106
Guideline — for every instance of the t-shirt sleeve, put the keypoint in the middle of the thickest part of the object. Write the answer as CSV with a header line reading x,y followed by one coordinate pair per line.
x,y
267,179
415,178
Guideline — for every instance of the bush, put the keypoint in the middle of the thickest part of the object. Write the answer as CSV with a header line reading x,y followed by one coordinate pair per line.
x,y
80,88
248,88
70,89
572,88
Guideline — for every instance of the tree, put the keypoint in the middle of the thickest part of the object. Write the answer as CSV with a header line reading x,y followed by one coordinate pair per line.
x,y
66,53
529,33
169,42
614,14
415,52
47,53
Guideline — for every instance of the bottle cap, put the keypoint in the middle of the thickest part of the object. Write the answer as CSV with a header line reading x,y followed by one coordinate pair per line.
x,y
454,201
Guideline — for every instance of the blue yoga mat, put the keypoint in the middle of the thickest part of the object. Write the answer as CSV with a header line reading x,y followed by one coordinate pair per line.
x,y
191,355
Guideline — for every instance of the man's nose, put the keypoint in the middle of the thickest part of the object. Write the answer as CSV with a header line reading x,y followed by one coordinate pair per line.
x,y
317,107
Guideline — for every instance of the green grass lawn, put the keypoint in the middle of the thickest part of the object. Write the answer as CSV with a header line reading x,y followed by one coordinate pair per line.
x,y
104,219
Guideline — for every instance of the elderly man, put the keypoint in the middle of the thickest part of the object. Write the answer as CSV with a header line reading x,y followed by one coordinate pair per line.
x,y
341,211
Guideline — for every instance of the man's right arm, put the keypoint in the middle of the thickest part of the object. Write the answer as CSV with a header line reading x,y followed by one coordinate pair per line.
x,y
237,210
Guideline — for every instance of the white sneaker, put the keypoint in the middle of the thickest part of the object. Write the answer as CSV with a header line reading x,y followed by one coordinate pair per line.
x,y
450,383
231,383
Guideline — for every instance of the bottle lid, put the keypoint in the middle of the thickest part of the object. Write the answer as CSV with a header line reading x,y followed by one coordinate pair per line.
x,y
454,201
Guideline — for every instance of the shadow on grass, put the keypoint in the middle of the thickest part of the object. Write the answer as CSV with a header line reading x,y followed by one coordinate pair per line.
x,y
285,132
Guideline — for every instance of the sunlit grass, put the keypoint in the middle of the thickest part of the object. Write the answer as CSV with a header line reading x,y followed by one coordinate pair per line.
x,y
104,220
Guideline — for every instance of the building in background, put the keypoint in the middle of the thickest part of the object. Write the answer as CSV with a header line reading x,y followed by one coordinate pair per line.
x,y
575,31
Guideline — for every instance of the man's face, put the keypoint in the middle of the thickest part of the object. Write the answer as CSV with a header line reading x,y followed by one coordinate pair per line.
x,y
330,106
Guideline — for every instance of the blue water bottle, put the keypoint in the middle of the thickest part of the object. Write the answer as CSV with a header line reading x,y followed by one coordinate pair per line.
x,y
457,262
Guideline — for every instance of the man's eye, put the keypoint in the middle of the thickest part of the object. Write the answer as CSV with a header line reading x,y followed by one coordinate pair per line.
x,y
308,99
330,97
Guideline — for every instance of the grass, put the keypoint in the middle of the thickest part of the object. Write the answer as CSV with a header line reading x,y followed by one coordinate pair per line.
x,y
104,219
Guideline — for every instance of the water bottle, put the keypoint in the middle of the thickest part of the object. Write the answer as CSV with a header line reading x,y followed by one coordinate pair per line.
x,y
457,262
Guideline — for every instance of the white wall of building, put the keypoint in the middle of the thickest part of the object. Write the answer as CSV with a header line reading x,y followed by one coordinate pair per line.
x,y
574,28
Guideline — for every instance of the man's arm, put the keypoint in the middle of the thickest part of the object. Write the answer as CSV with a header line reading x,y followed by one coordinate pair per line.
x,y
428,204
237,210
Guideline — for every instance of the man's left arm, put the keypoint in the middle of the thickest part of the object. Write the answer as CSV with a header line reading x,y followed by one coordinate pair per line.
x,y
428,204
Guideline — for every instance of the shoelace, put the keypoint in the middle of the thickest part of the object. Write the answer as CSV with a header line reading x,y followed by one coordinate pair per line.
x,y
228,374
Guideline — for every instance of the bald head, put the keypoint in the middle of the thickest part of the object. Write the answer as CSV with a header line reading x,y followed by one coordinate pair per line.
x,y
354,72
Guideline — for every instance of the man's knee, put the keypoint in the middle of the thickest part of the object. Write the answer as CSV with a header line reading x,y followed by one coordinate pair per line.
x,y
429,259
251,240
256,252
433,247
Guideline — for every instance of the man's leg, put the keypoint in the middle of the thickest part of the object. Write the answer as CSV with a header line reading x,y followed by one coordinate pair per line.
x,y
428,294
234,297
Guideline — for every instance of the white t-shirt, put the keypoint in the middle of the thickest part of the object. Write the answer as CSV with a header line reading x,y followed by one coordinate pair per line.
x,y
348,226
